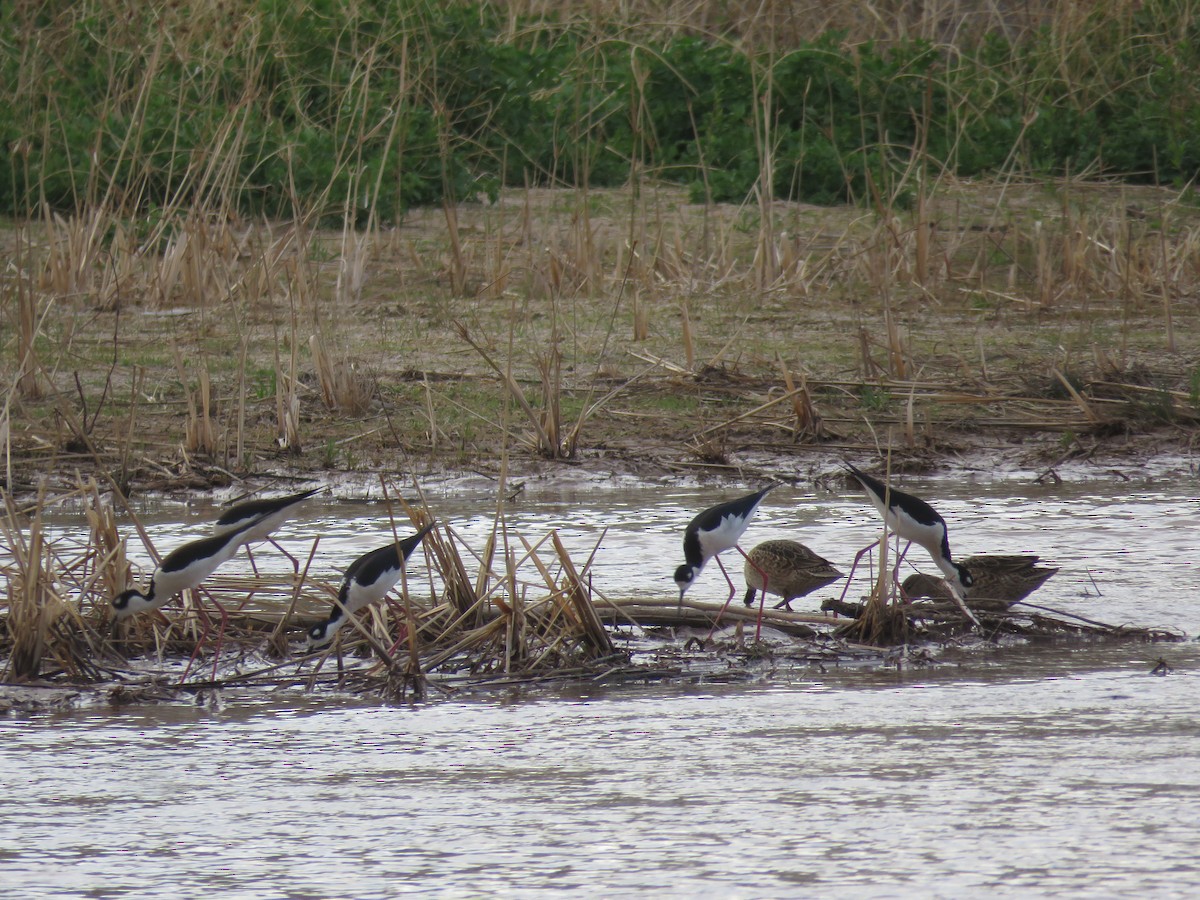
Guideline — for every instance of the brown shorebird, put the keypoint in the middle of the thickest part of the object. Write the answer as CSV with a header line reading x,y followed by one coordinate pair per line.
x,y
791,570
1009,578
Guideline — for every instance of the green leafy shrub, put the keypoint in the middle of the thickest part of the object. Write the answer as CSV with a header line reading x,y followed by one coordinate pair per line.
x,y
283,108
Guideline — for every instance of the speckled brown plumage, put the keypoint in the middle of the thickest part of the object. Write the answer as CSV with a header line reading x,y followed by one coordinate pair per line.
x,y
1009,578
792,571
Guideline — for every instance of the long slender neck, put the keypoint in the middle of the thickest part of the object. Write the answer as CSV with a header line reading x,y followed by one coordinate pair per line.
x,y
946,543
953,576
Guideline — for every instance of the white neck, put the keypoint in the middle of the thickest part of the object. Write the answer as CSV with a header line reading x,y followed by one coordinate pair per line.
x,y
950,572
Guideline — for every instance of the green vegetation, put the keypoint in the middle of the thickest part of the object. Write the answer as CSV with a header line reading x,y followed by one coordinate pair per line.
x,y
357,112
174,302
874,399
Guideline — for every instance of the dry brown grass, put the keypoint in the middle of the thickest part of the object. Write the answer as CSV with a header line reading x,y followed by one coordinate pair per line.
x,y
526,610
782,24
341,350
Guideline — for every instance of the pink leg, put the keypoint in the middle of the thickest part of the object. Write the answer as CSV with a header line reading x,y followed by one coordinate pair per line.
x,y
899,559
399,640
402,631
732,592
295,562
762,599
857,557
199,640
203,637
253,564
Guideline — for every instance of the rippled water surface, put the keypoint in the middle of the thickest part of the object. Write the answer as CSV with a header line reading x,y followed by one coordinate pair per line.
x,y
1031,771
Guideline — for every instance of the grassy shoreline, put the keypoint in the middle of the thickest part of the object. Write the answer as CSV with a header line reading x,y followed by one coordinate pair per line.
x,y
359,237
1045,314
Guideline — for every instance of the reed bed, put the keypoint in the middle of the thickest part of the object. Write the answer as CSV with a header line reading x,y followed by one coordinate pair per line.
x,y
526,609
517,611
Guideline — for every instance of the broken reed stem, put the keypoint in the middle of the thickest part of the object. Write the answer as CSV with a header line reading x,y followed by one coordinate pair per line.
x,y
111,567
544,443
199,431
593,628
808,420
27,367
1077,397
685,326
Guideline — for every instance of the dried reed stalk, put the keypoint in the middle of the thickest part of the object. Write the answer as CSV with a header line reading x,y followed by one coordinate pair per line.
x,y
287,397
685,329
544,443
343,388
111,566
881,622
641,317
593,629
808,422
74,246
923,233
457,263
200,435
32,602
549,366
1077,397
28,384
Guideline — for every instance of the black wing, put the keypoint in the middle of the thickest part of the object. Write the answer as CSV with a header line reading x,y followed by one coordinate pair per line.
x,y
183,556
257,509
741,507
921,511
370,567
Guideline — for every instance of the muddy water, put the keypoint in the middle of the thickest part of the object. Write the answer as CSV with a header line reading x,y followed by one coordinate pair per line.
x,y
1031,771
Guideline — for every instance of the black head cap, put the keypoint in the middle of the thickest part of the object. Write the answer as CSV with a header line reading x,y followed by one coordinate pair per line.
x,y
965,578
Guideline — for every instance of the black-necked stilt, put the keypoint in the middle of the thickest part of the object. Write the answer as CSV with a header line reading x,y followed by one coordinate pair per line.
x,y
182,569
1008,578
791,570
710,534
914,520
367,581
264,515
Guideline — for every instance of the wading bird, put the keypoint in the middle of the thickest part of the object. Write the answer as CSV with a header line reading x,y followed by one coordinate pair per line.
x,y
367,581
265,515
710,534
184,568
790,569
914,520
1009,579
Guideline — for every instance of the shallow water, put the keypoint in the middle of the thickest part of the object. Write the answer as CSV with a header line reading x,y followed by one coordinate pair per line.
x,y
1032,771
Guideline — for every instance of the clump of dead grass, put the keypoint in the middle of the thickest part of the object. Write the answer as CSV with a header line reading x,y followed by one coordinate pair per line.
x,y
526,610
